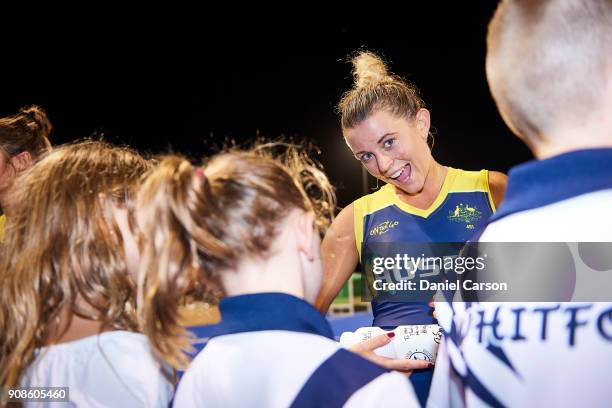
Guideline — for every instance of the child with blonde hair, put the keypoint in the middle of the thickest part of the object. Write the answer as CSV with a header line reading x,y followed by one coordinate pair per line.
x,y
67,316
249,225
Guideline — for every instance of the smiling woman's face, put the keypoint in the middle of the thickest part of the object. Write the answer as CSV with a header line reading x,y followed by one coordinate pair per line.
x,y
393,149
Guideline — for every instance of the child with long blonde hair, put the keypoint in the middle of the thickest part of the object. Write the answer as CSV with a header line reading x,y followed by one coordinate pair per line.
x,y
67,316
248,225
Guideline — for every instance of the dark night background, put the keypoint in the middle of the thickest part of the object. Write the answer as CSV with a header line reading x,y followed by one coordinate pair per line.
x,y
187,81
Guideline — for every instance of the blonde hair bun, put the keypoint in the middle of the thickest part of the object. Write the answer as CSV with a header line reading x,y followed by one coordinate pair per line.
x,y
368,69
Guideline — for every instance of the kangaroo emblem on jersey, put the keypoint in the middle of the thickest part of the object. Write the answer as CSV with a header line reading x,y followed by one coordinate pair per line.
x,y
466,214
383,227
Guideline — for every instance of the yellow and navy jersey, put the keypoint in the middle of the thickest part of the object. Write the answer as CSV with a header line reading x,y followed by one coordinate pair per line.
x,y
459,212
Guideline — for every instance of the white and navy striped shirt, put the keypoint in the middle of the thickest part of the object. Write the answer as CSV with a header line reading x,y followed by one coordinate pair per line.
x,y
275,350
538,353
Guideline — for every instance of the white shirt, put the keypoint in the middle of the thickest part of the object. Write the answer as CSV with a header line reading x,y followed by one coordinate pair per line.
x,y
281,358
269,368
113,369
494,358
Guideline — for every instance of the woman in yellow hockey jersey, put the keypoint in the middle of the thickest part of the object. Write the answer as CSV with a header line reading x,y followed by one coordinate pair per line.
x,y
386,126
